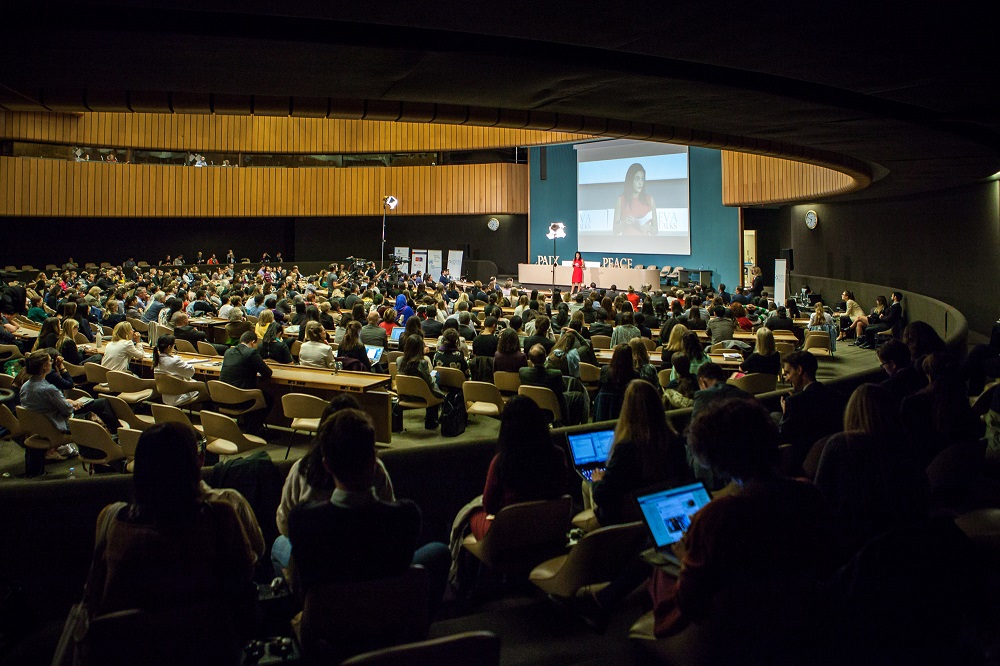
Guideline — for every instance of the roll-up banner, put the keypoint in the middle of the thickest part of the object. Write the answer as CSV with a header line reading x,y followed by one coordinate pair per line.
x,y
435,263
455,263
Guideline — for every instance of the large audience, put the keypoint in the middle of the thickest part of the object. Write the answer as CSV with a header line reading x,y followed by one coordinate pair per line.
x,y
820,496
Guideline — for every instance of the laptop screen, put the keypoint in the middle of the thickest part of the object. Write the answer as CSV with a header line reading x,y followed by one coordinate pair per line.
x,y
590,448
374,353
397,332
668,512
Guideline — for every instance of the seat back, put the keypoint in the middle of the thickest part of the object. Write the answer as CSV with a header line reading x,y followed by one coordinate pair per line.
x,y
169,414
663,377
302,406
6,381
74,370
756,382
507,382
220,426
227,394
184,346
599,556
717,347
96,445
206,349
10,422
123,412
417,393
8,352
81,339
544,398
138,324
450,378
96,373
526,533
393,356
817,342
600,341
43,431
340,619
483,392
126,382
589,373
128,439
470,648
170,385
650,344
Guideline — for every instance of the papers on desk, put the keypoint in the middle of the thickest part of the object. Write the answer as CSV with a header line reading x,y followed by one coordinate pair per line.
x,y
292,330
732,356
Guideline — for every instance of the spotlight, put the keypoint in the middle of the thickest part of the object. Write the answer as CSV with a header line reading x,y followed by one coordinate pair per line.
x,y
556,230
390,202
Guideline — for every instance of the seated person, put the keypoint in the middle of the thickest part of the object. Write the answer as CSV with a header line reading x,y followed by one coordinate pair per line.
x,y
764,358
355,535
166,362
780,321
540,335
721,325
414,363
626,330
177,546
812,411
183,330
272,345
125,346
536,374
485,344
449,352
771,531
352,347
509,357
601,326
315,351
526,467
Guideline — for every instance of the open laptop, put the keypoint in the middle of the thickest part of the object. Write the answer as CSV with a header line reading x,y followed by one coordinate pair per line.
x,y
590,450
374,353
667,514
397,333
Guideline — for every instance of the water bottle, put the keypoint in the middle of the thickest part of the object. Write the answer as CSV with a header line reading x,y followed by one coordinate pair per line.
x,y
72,473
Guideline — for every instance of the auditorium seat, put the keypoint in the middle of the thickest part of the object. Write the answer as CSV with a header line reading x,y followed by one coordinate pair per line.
x,y
597,558
96,445
523,535
470,648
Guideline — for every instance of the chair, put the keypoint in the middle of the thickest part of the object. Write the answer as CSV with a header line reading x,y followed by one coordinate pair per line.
x,y
96,445
138,324
225,434
170,385
226,396
184,346
450,378
343,618
663,376
74,371
482,398
600,341
598,557
393,356
470,648
51,267
123,412
130,388
128,439
295,348
81,339
42,435
10,422
97,375
650,344
544,398
981,403
590,375
817,343
304,410
414,393
206,348
523,535
8,352
167,414
756,382
252,319
508,383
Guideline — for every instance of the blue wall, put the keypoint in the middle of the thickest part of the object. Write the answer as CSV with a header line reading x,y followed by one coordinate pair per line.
x,y
715,242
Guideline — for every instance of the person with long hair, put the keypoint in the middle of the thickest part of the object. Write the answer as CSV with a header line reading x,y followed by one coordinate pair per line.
x,y
764,359
615,377
125,346
315,351
174,547
577,280
635,210
66,342
526,467
264,319
509,356
352,347
691,346
679,393
414,363
273,347
646,451
166,362
450,353
640,357
49,333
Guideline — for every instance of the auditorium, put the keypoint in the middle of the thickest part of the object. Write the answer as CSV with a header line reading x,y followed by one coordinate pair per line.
x,y
317,260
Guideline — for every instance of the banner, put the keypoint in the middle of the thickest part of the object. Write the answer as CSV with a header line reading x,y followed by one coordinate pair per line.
x,y
404,254
455,263
780,281
418,261
435,263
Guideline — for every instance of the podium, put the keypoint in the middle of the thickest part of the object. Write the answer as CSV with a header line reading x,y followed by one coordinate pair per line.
x,y
686,276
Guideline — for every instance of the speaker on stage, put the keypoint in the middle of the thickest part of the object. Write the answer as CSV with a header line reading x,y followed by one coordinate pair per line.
x,y
786,254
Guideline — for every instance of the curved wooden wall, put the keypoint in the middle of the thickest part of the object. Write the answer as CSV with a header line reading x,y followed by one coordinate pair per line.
x,y
759,179
36,187
262,134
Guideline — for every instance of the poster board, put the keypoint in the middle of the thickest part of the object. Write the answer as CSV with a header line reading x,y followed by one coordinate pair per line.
x,y
455,263
435,263
780,280
418,261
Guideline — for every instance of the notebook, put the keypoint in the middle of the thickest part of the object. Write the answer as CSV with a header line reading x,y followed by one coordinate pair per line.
x,y
590,450
668,512
374,353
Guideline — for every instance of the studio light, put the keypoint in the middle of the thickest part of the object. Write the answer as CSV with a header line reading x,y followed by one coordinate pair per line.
x,y
556,230
390,202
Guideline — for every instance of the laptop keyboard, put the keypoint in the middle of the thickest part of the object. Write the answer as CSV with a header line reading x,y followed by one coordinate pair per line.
x,y
589,473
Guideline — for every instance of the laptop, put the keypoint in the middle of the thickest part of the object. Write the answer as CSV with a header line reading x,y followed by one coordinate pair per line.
x,y
590,451
374,353
395,335
667,514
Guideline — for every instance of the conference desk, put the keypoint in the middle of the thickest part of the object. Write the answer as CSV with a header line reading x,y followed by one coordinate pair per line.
x,y
604,357
367,388
602,276
779,336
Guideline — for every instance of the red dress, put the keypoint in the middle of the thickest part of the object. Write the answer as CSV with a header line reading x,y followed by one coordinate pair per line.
x,y
578,271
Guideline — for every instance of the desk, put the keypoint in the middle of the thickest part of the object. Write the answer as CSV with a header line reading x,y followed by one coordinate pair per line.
x,y
747,336
366,387
719,359
23,333
604,277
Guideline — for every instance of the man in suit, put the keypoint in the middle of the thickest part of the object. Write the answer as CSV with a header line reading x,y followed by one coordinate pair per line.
x,y
893,322
536,374
372,333
431,327
713,388
812,411
904,380
355,535
240,366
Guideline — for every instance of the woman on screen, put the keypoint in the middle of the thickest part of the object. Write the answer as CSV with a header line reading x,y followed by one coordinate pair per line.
x,y
577,273
635,212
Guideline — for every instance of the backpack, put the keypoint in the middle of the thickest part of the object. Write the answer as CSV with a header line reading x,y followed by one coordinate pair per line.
x,y
453,414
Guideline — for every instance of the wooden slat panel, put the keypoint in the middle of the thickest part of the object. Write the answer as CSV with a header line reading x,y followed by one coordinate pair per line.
x,y
759,179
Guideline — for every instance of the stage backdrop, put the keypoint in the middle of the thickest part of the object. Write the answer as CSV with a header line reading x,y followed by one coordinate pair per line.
x,y
714,227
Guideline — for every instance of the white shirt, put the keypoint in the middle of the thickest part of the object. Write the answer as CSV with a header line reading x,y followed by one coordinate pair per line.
x,y
118,353
175,366
316,354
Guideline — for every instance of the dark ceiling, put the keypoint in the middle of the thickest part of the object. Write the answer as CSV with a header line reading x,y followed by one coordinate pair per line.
x,y
907,97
